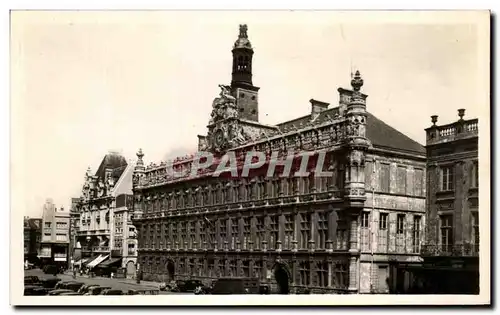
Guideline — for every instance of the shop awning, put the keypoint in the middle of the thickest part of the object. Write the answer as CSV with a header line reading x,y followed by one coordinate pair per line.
x,y
97,261
110,262
89,260
81,261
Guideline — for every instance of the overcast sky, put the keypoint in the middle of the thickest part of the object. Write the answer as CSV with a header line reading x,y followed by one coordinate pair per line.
x,y
87,83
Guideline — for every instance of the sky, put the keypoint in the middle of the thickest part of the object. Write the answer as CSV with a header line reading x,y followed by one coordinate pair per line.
x,y
90,82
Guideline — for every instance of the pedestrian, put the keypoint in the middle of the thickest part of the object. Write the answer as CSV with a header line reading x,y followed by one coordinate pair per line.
x,y
74,273
112,274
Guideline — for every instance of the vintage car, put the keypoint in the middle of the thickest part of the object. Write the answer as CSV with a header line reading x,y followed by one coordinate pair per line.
x,y
187,285
70,293
71,285
96,290
34,290
50,283
59,291
85,288
112,292
144,292
50,269
31,279
236,286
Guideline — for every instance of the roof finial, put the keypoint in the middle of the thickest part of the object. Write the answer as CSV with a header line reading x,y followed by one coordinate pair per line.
x,y
242,41
357,81
243,31
461,113
139,157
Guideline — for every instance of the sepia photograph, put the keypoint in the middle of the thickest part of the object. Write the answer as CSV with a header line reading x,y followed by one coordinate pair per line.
x,y
240,157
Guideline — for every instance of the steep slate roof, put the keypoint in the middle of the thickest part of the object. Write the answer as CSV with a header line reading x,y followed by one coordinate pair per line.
x,y
379,133
114,161
384,136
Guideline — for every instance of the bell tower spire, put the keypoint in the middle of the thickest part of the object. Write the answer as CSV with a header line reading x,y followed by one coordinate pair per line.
x,y
241,81
242,59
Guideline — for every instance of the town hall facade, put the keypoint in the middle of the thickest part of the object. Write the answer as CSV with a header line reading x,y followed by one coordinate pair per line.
x,y
336,234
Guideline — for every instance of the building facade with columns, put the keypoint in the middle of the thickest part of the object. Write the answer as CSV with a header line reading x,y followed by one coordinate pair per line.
x,y
105,234
335,234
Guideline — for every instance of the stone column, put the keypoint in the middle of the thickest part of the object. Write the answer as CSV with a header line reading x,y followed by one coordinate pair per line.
x,y
330,273
354,251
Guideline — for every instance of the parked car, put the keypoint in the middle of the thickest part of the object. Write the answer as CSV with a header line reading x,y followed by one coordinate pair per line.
x,y
85,288
187,285
96,290
70,285
59,291
236,286
144,292
31,280
112,292
50,283
70,293
50,269
34,290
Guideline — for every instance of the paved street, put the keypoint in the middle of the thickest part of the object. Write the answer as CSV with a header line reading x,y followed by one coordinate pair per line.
x,y
120,284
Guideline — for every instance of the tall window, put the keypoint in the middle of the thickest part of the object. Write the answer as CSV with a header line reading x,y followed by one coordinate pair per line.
x,y
368,175
322,229
416,233
342,238
246,233
192,234
418,182
158,236
304,272
184,239
475,231
385,177
273,231
258,266
289,228
222,232
322,272
340,276
365,231
234,233
383,232
475,175
305,230
211,234
245,265
446,233
260,232
233,271
447,178
222,267
401,180
400,233
203,231
211,268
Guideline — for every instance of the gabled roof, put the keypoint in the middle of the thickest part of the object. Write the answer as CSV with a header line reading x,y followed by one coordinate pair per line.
x,y
114,161
379,133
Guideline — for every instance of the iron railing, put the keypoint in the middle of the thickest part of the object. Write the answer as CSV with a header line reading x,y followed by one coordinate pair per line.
x,y
461,250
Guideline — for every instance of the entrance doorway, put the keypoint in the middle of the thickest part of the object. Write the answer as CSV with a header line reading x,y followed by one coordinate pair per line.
x,y
282,278
170,271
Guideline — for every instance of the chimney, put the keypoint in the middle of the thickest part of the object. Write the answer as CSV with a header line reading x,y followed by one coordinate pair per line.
x,y
317,107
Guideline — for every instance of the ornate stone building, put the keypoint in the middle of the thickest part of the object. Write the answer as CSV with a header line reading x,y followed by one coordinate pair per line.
x,y
452,232
333,234
105,232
